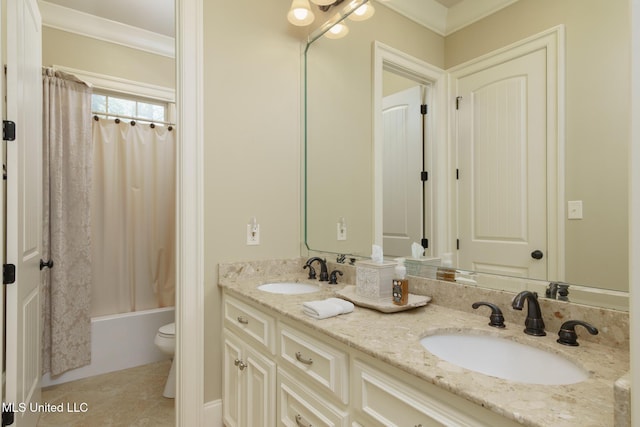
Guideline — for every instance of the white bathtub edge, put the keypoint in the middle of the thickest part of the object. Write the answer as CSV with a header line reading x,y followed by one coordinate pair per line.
x,y
120,342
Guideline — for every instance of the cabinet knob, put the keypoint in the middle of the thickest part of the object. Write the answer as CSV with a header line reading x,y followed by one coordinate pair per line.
x,y
240,364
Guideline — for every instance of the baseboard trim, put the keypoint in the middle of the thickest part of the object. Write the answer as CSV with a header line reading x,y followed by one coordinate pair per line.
x,y
213,413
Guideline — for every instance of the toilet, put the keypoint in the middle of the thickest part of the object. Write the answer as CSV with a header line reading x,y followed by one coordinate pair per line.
x,y
166,341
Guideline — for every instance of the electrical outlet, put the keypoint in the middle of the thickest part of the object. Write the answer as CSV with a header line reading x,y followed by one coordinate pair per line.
x,y
342,231
253,234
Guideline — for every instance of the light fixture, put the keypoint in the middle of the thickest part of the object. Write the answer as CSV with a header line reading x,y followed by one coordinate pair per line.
x,y
300,13
338,31
365,11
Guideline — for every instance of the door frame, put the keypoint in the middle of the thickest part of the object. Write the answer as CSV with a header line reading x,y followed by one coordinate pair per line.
x,y
190,214
387,57
552,42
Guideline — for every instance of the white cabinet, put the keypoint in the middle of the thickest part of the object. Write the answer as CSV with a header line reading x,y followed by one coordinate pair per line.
x,y
249,385
278,374
249,369
386,397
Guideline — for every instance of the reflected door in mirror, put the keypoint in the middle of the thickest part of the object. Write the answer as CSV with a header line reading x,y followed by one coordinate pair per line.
x,y
402,164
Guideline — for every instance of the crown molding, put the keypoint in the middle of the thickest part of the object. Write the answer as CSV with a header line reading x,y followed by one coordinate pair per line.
x,y
84,24
469,11
443,20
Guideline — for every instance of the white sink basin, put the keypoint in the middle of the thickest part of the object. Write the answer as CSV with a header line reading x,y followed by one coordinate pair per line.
x,y
289,288
503,358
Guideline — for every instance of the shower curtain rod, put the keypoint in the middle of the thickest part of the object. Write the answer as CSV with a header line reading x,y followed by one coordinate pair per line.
x,y
122,116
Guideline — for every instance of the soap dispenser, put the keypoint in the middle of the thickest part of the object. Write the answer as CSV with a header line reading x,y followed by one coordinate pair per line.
x,y
446,271
400,284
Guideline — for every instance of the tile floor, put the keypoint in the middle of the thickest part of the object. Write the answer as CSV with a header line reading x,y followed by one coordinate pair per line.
x,y
132,397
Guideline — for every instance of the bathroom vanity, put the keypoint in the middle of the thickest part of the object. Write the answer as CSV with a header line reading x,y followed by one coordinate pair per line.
x,y
367,368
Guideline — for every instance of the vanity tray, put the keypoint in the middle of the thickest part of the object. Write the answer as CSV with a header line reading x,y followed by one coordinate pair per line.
x,y
349,293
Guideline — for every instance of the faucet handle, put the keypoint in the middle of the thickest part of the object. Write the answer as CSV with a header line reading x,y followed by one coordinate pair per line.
x,y
312,271
496,319
333,278
567,334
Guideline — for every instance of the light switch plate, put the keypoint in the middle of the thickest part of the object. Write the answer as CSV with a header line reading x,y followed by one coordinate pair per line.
x,y
574,209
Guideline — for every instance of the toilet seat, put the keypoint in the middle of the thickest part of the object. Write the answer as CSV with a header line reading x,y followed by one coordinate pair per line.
x,y
167,331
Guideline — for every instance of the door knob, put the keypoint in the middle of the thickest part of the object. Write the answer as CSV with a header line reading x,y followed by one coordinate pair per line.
x,y
537,254
48,264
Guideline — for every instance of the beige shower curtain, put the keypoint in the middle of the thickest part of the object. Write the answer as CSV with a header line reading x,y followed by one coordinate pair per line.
x,y
67,176
133,208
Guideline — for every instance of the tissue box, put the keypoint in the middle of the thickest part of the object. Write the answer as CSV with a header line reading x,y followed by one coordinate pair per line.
x,y
374,281
423,267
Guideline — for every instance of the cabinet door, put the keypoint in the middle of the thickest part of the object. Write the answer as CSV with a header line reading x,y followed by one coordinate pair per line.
x,y
231,387
260,389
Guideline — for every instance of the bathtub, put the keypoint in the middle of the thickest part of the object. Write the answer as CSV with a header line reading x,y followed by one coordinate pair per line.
x,y
120,341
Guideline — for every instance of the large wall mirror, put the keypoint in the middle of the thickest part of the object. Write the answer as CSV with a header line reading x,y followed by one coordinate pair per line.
x,y
353,187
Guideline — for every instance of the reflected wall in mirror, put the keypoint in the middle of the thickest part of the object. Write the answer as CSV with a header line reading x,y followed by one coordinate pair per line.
x,y
340,156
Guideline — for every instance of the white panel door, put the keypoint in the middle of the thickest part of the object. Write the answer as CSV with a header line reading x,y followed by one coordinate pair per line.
x,y
402,195
502,149
24,207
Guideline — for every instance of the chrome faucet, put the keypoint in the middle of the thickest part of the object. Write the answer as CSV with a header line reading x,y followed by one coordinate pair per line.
x,y
324,274
534,325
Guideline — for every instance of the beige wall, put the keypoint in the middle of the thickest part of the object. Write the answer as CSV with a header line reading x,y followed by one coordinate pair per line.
x,y
252,146
340,126
88,54
597,120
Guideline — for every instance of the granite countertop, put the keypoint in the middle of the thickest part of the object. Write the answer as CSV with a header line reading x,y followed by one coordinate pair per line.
x,y
588,403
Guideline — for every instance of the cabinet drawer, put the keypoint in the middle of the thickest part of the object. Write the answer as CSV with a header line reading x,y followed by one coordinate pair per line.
x,y
250,323
385,399
300,407
326,366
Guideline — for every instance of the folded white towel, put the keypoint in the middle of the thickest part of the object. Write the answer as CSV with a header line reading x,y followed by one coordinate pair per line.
x,y
329,307
347,306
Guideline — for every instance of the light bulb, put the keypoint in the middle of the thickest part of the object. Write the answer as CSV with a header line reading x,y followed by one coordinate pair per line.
x,y
337,31
300,13
365,11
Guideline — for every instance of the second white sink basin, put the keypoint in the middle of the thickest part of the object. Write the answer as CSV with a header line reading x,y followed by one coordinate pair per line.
x,y
289,288
503,358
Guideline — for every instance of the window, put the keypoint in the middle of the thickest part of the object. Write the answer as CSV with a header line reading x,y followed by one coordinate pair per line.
x,y
112,106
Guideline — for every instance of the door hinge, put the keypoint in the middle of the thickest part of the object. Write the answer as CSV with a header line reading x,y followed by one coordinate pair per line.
x,y
8,274
7,418
424,176
425,243
458,98
424,108
8,130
